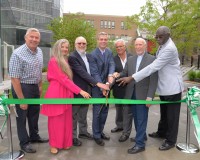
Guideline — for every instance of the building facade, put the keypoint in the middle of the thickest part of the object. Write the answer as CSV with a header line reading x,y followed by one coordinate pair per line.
x,y
19,15
113,25
16,16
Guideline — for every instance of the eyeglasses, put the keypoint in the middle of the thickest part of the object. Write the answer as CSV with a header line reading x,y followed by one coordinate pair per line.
x,y
79,43
160,37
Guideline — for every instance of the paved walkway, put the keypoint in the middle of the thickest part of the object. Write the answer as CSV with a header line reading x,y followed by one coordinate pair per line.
x,y
113,150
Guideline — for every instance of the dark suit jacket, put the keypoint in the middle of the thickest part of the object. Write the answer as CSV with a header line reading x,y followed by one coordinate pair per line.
x,y
119,91
101,67
146,87
80,75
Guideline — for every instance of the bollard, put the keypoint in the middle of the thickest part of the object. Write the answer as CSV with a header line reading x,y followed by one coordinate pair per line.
x,y
10,155
182,60
187,147
198,62
192,59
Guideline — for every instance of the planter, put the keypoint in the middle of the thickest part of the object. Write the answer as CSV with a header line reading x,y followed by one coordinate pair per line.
x,y
197,80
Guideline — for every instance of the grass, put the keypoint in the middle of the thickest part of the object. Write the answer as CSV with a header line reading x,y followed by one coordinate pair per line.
x,y
44,88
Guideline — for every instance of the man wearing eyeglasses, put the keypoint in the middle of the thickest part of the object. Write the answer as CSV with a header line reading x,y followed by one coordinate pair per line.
x,y
170,87
79,64
102,68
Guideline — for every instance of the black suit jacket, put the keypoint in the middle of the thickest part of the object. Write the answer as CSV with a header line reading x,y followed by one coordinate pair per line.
x,y
119,91
80,75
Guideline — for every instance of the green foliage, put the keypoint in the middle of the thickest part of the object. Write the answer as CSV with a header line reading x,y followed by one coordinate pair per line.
x,y
198,75
182,17
44,69
72,26
44,88
191,75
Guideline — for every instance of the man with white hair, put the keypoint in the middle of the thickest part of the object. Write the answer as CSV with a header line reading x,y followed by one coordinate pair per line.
x,y
143,90
123,119
79,63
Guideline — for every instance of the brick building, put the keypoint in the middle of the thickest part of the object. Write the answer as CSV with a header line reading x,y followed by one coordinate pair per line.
x,y
113,25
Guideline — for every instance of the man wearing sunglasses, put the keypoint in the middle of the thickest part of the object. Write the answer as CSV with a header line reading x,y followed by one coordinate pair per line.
x,y
79,63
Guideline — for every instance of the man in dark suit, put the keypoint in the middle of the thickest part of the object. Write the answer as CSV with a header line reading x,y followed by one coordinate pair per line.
x,y
123,120
143,90
78,61
102,68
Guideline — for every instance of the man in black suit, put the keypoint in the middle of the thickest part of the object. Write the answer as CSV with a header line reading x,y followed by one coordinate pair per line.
x,y
78,61
122,120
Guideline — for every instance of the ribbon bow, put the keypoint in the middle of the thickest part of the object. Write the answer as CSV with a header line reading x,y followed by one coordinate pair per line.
x,y
4,111
193,102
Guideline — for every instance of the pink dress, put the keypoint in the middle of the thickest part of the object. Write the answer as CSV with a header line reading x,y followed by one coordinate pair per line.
x,y
59,116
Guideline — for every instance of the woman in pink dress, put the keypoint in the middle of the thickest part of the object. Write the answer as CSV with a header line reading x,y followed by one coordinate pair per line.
x,y
61,85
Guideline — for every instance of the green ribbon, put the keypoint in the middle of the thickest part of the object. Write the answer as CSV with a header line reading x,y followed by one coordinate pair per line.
x,y
193,102
4,111
83,101
192,99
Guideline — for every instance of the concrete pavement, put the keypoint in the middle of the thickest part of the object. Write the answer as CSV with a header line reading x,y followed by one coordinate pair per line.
x,y
113,149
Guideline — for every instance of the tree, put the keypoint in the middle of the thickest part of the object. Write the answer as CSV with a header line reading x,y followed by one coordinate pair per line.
x,y
71,26
181,16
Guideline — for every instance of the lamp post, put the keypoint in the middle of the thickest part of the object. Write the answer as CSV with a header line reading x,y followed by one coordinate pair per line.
x,y
1,76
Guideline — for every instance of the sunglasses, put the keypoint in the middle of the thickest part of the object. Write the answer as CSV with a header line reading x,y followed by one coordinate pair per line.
x,y
79,43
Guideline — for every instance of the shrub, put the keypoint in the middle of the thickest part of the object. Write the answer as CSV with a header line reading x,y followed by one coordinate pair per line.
x,y
191,75
44,69
198,75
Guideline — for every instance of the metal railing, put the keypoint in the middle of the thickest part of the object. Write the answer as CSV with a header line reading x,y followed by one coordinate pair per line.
x,y
7,50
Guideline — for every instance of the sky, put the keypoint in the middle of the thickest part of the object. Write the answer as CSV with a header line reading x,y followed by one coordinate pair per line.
x,y
104,7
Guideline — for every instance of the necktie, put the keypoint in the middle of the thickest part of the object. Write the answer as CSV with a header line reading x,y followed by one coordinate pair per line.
x,y
160,47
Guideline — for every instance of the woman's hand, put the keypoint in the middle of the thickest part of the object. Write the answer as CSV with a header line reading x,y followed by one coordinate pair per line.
x,y
85,94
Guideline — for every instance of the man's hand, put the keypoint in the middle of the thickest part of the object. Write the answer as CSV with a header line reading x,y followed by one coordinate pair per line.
x,y
125,80
148,99
104,92
110,79
24,106
103,86
116,75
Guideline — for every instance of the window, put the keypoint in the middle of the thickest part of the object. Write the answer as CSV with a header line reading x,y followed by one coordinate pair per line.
x,y
91,22
105,24
109,24
113,24
122,25
102,24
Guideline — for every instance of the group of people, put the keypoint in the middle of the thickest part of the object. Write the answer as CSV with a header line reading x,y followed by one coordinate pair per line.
x,y
80,74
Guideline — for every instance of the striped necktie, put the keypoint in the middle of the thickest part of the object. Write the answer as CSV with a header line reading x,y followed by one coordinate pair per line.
x,y
160,47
